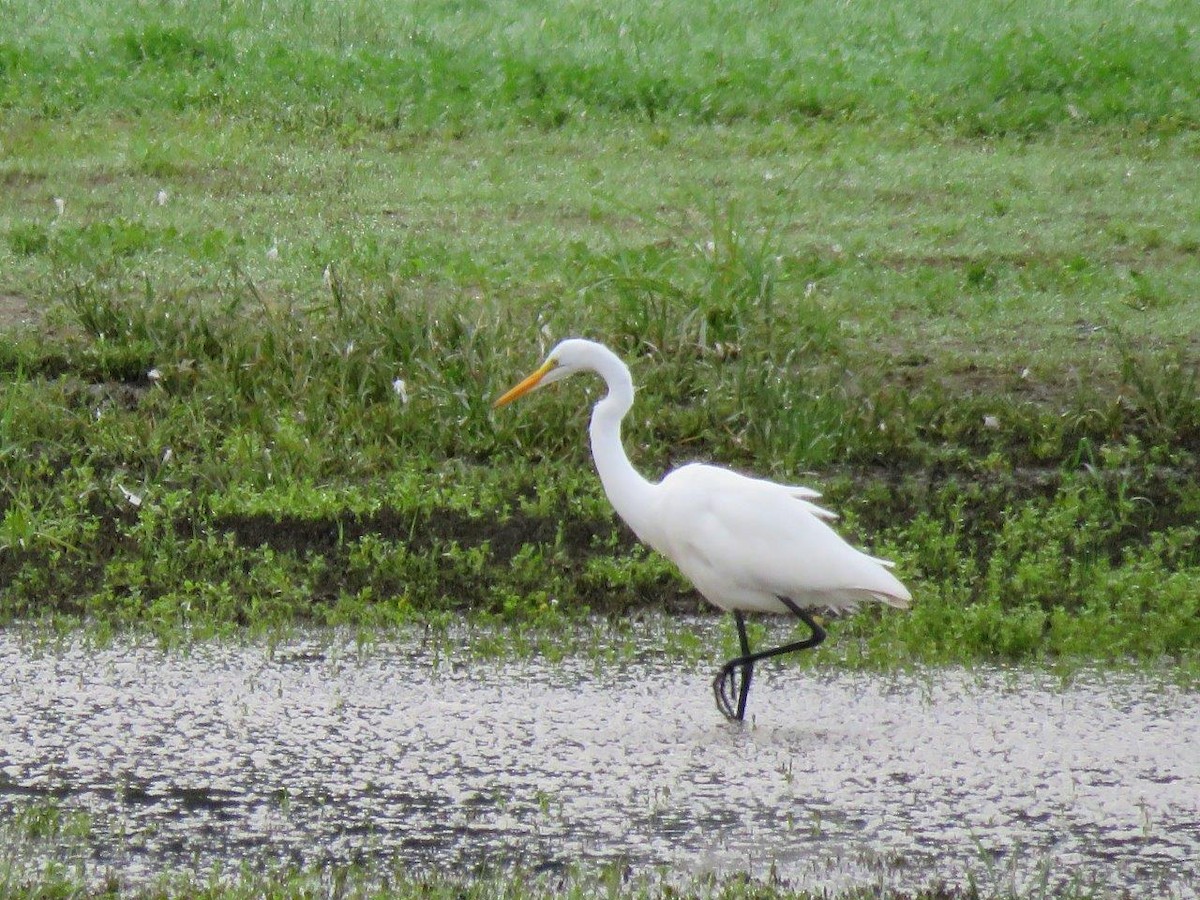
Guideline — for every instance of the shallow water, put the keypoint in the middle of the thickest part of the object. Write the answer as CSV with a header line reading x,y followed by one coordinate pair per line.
x,y
231,753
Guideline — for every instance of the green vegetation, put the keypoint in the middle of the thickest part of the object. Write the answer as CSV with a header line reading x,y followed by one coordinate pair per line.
x,y
44,832
353,883
938,260
983,67
357,882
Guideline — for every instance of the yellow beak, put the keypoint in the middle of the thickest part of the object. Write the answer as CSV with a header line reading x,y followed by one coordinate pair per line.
x,y
525,386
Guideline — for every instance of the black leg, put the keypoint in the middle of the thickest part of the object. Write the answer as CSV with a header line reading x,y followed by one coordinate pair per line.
x,y
747,669
727,682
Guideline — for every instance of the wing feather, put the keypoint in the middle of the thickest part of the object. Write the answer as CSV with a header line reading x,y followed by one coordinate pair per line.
x,y
744,542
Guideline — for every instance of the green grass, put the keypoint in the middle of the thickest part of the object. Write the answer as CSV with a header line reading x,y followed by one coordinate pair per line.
x,y
358,882
935,260
979,66
43,830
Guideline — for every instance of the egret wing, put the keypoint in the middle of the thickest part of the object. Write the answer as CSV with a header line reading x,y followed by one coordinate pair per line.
x,y
744,542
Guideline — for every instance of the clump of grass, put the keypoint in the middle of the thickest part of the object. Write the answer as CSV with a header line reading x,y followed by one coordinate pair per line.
x,y
372,880
1162,388
28,239
1062,572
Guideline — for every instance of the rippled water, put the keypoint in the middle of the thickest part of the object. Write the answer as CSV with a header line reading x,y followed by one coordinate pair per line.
x,y
230,753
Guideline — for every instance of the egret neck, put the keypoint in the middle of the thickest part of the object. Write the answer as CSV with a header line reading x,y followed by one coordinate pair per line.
x,y
631,495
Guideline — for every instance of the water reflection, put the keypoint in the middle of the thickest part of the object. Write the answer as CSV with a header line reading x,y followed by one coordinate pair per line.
x,y
321,752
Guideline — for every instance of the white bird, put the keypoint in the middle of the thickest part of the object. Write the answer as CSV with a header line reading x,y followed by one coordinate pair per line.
x,y
748,545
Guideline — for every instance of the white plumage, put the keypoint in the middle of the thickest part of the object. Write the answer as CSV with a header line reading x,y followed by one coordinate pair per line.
x,y
748,545
744,543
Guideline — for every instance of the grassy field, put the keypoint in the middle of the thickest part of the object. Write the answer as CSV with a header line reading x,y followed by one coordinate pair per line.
x,y
264,266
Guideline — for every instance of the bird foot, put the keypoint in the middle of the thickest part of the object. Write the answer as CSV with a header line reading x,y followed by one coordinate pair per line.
x,y
730,688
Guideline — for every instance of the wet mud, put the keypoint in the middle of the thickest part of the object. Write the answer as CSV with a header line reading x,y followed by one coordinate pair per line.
x,y
414,756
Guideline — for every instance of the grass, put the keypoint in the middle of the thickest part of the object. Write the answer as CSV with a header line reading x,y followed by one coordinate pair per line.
x,y
353,883
982,67
264,266
45,832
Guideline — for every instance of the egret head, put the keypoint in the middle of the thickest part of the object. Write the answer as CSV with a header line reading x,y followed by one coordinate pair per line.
x,y
570,356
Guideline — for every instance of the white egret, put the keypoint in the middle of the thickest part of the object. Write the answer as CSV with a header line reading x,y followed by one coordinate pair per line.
x,y
748,545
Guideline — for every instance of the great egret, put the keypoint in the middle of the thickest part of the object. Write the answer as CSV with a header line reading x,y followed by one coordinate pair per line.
x,y
748,545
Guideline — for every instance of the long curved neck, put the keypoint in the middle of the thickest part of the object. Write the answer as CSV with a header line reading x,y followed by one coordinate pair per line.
x,y
630,494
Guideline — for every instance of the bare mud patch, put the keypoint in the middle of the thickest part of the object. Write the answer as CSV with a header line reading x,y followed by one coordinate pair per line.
x,y
15,312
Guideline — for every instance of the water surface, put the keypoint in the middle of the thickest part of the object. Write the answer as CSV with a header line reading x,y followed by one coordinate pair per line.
x,y
319,752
